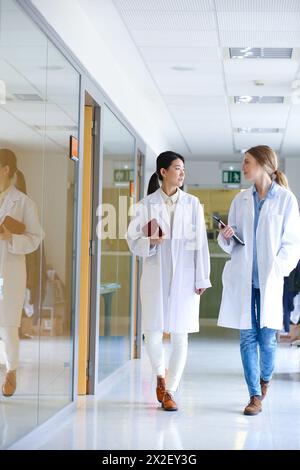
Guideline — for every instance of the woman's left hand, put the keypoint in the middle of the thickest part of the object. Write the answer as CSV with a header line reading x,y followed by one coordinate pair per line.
x,y
200,291
6,235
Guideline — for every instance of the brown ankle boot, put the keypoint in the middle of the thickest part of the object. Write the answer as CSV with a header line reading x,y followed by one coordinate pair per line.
x,y
264,388
10,383
254,406
168,402
160,388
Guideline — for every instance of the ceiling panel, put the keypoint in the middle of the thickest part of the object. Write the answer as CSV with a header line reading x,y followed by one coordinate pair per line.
x,y
204,67
257,5
175,38
259,21
241,87
171,20
193,84
165,5
260,38
268,68
180,53
192,101
245,141
259,115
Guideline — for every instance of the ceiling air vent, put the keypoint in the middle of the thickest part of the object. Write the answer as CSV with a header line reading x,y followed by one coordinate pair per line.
x,y
27,97
257,130
260,52
258,99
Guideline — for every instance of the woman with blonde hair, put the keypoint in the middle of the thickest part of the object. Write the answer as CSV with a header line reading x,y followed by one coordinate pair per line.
x,y
266,218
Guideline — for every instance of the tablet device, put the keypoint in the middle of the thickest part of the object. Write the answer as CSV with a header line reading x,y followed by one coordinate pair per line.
x,y
235,237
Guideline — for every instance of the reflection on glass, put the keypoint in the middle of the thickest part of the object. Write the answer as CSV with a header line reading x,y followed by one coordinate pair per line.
x,y
39,106
115,289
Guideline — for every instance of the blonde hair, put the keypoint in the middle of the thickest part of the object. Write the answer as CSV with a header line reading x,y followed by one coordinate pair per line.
x,y
268,160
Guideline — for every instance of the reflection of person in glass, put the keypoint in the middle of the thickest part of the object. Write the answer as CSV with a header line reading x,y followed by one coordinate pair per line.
x,y
176,269
20,233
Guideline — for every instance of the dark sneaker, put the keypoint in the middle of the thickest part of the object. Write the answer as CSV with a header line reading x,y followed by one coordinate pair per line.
x,y
160,388
254,406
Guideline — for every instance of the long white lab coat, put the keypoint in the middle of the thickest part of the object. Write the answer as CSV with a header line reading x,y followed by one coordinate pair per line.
x,y
278,251
12,255
170,303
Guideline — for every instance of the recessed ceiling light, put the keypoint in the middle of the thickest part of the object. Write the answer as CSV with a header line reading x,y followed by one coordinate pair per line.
x,y
260,52
182,68
28,96
243,99
257,130
51,67
258,99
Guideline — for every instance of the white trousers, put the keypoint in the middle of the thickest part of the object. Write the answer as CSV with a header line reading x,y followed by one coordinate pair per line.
x,y
10,338
156,353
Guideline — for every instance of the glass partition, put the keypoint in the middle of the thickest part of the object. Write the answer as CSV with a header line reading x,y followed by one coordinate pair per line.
x,y
116,260
39,107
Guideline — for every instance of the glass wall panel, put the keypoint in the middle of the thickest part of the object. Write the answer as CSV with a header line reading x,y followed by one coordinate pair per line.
x,y
39,93
116,260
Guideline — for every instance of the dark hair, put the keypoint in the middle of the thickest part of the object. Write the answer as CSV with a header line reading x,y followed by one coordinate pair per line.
x,y
8,158
164,160
267,158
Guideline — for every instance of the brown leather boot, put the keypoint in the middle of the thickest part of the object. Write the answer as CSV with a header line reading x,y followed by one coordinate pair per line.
x,y
254,406
160,388
168,402
264,388
10,383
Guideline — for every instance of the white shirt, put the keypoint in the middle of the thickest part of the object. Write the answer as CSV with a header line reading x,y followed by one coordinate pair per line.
x,y
170,202
166,250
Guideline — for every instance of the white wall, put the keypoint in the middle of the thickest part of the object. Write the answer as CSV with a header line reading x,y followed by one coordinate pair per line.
x,y
207,174
292,171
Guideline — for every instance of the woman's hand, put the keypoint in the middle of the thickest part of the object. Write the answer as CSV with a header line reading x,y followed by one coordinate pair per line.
x,y
227,232
6,235
200,291
157,240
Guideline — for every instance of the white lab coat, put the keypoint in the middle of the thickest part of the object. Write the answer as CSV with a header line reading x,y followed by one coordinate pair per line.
x,y
12,255
170,303
278,251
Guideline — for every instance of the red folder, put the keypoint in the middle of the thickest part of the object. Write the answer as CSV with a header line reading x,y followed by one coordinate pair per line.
x,y
12,225
151,228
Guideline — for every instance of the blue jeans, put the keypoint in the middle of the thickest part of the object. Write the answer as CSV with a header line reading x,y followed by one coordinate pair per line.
x,y
262,365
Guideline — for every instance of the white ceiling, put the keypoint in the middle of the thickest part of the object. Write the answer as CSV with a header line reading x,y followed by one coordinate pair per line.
x,y
163,34
196,34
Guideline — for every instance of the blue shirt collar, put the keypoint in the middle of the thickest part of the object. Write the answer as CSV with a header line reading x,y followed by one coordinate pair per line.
x,y
271,192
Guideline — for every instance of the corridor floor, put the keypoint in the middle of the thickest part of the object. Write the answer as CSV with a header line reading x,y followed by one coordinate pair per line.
x,y
211,399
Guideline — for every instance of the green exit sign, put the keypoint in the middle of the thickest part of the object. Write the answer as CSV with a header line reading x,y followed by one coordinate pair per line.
x,y
231,177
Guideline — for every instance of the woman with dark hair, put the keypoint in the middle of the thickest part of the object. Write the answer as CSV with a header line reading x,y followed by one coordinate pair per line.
x,y
168,232
266,217
20,233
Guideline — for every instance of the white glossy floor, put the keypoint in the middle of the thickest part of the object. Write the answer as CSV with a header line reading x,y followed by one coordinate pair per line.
x,y
211,398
